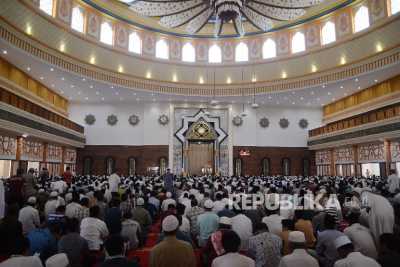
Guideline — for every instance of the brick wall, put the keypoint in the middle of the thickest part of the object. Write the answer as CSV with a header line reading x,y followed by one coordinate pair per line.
x,y
252,165
146,156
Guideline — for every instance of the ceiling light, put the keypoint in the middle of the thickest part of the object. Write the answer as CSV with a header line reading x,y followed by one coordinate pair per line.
x,y
228,80
62,47
284,75
254,105
112,87
379,47
323,86
5,52
313,68
174,78
92,60
28,29
83,79
62,79
201,80
120,69
341,87
41,77
376,80
359,87
28,68
25,135
51,69
356,80
91,86
343,60
148,75
254,79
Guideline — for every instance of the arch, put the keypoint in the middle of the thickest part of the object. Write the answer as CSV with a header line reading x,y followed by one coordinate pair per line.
x,y
162,49
266,167
238,166
109,165
135,43
394,6
46,6
87,165
269,49
131,166
241,52
163,163
298,42
106,33
286,166
188,53
77,19
306,167
361,19
328,33
214,54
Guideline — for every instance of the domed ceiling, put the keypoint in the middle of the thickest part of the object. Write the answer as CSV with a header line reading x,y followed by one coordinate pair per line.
x,y
216,18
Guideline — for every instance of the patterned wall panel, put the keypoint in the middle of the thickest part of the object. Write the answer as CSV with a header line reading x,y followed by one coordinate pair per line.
x,y
283,46
228,51
377,10
54,153
344,155
395,151
175,49
343,24
202,52
8,147
149,43
323,157
255,47
121,36
70,156
64,8
32,150
373,152
93,25
312,36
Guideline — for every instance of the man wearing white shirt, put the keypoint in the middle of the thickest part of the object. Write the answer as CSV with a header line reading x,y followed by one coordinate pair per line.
x,y
393,182
274,222
299,256
93,229
29,216
231,244
73,209
243,226
51,204
169,200
114,180
349,257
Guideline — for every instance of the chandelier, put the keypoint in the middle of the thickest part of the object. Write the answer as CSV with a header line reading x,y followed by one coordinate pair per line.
x,y
194,14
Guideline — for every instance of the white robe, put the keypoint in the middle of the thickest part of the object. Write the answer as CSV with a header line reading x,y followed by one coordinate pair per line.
x,y
2,200
394,183
381,214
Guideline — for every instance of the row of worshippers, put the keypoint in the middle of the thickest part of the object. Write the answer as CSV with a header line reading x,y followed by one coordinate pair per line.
x,y
199,204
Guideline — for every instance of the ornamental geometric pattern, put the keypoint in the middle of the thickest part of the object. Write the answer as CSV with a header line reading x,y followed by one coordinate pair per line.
x,y
133,120
323,157
395,151
371,153
284,123
112,120
197,13
344,155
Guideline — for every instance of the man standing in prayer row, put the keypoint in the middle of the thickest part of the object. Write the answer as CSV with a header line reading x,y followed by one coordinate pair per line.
x,y
169,181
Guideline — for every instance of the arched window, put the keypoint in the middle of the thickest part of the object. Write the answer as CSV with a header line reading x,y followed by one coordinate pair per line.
x,y
214,54
361,19
77,19
163,165
46,6
241,52
188,53
131,166
286,166
238,167
106,33
110,165
135,43
269,49
162,49
394,6
328,33
87,166
266,167
306,167
298,42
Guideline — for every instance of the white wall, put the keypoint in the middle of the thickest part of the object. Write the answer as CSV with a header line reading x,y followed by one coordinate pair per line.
x,y
147,132
150,132
252,134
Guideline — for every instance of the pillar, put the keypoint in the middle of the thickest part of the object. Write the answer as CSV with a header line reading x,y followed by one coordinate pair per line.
x,y
62,160
355,157
333,160
388,156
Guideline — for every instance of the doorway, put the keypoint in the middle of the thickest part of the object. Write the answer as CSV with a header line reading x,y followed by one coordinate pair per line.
x,y
201,157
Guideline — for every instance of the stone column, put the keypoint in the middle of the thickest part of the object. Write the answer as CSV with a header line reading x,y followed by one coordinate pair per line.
x,y
388,156
355,157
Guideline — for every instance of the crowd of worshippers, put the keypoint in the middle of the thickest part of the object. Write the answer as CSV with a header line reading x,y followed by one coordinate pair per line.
x,y
84,221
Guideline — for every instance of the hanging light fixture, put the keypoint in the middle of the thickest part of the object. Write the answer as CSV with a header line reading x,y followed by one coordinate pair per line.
x,y
214,101
243,114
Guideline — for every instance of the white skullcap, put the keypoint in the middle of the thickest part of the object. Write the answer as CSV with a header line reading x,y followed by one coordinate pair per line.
x,y
58,260
168,195
208,204
341,241
54,194
140,201
225,220
297,237
32,200
170,223
41,190
68,197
